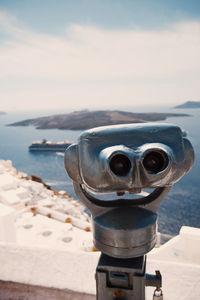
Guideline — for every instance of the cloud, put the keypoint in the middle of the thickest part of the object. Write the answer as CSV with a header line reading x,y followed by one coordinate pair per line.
x,y
92,64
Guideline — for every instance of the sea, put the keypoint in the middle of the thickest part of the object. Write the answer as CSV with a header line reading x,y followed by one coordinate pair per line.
x,y
181,206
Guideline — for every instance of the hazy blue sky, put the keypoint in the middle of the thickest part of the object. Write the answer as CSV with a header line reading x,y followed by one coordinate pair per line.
x,y
52,16
87,53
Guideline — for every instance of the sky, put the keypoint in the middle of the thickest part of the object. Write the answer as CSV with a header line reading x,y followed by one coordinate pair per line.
x,y
77,54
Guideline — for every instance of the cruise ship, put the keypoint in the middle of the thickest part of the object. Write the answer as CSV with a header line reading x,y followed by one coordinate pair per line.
x,y
45,145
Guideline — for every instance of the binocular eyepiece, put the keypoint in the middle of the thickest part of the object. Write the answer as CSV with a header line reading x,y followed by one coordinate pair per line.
x,y
120,164
155,161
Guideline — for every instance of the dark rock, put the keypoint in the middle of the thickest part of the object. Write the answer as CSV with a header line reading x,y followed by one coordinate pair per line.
x,y
189,104
88,119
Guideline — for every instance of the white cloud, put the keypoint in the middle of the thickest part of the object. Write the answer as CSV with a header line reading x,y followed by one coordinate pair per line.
x,y
90,65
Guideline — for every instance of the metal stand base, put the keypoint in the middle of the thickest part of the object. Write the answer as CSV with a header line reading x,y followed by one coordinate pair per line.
x,y
123,279
120,278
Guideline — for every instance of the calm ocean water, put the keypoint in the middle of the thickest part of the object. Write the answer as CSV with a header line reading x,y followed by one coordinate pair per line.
x,y
181,207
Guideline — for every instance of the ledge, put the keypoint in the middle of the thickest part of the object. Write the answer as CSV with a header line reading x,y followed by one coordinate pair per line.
x,y
18,291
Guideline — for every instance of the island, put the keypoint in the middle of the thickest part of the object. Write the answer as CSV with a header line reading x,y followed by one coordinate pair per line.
x,y
2,113
85,119
189,104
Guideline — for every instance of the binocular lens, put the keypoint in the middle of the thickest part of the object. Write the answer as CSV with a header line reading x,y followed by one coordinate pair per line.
x,y
120,165
155,161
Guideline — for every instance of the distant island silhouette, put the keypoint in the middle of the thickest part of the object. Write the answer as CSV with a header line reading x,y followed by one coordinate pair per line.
x,y
81,120
189,104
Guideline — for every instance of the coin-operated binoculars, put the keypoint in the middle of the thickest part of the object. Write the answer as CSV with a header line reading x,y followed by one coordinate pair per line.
x,y
124,160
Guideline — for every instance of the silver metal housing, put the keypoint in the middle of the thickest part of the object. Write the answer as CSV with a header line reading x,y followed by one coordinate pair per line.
x,y
147,155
